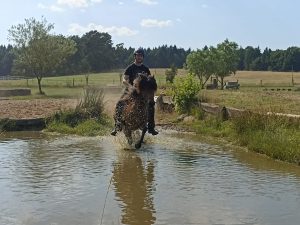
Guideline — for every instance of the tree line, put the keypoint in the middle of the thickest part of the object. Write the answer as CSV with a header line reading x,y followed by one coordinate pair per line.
x,y
254,59
95,52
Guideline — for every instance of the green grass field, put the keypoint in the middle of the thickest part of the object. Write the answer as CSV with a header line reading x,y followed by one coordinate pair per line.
x,y
99,79
265,79
255,92
274,136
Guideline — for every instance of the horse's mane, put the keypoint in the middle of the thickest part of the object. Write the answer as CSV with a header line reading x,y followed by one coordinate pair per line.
x,y
146,84
152,85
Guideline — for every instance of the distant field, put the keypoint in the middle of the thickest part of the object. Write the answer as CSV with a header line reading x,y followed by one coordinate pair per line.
x,y
245,78
255,92
101,79
260,91
265,78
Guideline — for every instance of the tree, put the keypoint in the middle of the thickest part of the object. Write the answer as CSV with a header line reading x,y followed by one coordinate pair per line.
x,y
251,54
76,63
276,60
200,64
226,59
291,59
98,51
6,59
123,56
38,53
241,63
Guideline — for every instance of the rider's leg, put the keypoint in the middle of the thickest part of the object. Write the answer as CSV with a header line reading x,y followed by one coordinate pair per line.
x,y
151,122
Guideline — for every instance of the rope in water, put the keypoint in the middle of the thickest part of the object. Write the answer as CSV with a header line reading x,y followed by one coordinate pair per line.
x,y
105,200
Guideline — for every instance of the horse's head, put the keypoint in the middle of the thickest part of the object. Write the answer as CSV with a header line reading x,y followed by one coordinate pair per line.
x,y
145,85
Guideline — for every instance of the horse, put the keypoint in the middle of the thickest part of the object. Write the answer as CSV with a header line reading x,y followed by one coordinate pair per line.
x,y
134,112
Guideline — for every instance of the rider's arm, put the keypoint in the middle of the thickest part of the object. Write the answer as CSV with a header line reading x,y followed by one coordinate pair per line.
x,y
126,81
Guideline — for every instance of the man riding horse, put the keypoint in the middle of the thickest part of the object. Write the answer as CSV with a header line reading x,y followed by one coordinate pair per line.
x,y
130,74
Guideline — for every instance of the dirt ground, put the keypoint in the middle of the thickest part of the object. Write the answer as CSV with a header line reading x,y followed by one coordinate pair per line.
x,y
41,108
35,108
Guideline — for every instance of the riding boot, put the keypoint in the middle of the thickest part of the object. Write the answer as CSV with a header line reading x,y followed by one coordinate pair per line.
x,y
118,118
151,122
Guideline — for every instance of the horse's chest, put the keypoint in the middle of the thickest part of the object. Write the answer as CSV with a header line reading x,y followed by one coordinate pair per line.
x,y
138,111
136,114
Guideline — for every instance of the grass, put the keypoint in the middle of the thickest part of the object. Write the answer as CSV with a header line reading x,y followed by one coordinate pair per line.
x,y
98,79
72,86
252,94
87,119
255,99
265,78
88,127
255,92
274,136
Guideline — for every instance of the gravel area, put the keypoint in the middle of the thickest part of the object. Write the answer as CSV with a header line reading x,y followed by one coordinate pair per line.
x,y
35,108
41,108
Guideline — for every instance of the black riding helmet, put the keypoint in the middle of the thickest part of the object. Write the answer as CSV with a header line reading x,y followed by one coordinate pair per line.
x,y
140,51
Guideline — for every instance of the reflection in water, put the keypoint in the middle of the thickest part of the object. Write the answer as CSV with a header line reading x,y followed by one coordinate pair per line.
x,y
177,180
133,183
51,180
264,163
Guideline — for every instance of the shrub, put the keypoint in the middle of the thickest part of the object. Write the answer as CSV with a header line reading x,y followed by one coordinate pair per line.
x,y
87,118
92,103
170,74
185,93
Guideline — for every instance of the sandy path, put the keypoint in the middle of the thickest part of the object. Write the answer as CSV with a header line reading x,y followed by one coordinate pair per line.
x,y
41,108
35,108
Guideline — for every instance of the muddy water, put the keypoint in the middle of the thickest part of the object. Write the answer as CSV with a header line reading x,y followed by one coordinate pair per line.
x,y
173,179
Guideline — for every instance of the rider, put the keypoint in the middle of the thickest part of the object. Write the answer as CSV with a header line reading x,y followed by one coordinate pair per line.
x,y
129,75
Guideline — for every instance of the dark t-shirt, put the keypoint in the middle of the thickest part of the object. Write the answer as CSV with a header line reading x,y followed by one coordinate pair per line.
x,y
133,70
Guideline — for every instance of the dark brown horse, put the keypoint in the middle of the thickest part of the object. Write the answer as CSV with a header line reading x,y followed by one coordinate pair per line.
x,y
134,112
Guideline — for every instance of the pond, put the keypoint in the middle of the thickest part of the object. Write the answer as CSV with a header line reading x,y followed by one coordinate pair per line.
x,y
173,179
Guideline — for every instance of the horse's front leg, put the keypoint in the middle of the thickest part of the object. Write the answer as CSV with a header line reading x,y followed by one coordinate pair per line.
x,y
139,143
128,136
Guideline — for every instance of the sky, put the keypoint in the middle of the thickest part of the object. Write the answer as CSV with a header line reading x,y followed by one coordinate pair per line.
x,y
152,23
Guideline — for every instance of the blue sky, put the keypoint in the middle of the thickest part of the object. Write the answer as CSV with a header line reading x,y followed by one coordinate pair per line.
x,y
152,23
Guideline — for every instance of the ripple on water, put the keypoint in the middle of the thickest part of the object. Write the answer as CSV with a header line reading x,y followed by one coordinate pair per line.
x,y
172,179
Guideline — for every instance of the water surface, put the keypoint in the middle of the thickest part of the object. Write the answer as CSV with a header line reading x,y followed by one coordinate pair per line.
x,y
173,179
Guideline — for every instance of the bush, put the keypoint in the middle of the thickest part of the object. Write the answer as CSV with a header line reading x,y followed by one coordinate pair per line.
x,y
92,102
185,91
87,118
170,74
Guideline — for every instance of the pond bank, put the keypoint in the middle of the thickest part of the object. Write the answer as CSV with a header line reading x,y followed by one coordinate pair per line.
x,y
272,135
35,124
